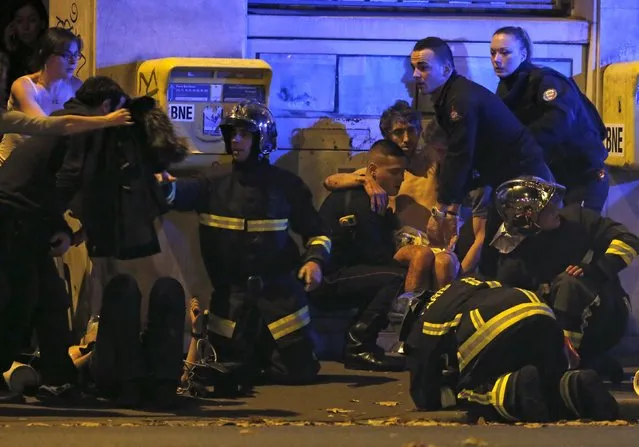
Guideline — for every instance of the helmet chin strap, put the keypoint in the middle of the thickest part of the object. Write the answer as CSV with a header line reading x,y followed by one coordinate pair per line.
x,y
525,226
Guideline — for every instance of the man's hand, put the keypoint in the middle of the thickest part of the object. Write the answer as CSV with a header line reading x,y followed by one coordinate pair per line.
x,y
60,243
379,197
311,274
164,177
450,229
195,313
575,270
121,117
434,230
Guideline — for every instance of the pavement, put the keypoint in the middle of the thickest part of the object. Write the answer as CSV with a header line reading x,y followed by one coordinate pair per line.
x,y
340,398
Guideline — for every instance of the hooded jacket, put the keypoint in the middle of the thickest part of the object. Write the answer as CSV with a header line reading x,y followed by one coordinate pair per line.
x,y
107,181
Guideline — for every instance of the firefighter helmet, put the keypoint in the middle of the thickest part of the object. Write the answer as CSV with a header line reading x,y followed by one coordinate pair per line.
x,y
259,120
519,202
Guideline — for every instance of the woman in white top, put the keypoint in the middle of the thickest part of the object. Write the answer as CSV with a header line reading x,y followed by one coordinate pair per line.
x,y
41,93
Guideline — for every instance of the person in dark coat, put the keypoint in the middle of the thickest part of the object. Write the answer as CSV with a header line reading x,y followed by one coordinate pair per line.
x,y
561,118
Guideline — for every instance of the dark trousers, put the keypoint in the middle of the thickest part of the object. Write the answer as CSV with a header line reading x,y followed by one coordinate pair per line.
x,y
121,353
369,288
32,295
262,326
594,316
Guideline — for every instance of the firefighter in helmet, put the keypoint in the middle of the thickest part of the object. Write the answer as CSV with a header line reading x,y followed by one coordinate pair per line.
x,y
572,256
259,318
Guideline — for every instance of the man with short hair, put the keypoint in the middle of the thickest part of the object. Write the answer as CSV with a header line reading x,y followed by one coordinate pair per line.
x,y
482,134
417,196
366,269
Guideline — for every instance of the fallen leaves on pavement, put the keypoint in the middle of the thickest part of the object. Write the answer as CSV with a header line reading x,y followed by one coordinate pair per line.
x,y
338,410
387,404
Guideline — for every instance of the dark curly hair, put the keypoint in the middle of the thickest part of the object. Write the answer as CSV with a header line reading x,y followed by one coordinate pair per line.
x,y
400,111
161,139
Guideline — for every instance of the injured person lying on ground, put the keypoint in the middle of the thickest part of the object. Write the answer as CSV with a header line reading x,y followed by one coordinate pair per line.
x,y
498,352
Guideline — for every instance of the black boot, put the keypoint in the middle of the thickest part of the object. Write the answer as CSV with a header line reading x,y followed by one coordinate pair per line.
x,y
362,352
586,397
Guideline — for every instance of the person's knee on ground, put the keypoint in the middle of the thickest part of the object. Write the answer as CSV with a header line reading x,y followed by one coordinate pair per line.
x,y
419,260
446,268
164,340
117,365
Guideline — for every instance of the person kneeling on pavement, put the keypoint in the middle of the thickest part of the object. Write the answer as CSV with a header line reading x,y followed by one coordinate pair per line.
x,y
572,257
499,353
367,271
136,368
258,311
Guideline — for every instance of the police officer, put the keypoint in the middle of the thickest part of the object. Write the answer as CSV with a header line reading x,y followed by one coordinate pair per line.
x,y
482,134
563,120
258,313
500,352
573,257
363,272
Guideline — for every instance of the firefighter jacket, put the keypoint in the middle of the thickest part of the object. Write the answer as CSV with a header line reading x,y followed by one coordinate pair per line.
x,y
359,235
245,215
600,245
460,321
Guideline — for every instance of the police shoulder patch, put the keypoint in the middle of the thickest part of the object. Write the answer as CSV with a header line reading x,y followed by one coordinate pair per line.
x,y
549,95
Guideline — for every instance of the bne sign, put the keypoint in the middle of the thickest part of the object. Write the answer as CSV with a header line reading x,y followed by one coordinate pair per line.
x,y
614,141
182,112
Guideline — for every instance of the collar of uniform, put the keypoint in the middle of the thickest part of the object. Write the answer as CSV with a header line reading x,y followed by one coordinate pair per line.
x,y
524,68
439,95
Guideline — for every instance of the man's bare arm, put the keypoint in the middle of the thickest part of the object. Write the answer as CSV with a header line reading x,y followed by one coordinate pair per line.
x,y
345,180
359,178
474,252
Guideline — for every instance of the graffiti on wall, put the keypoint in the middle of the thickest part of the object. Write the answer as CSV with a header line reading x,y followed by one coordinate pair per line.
x,y
148,86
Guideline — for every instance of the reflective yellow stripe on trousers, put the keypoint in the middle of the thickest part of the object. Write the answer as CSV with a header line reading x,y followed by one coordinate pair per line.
x,y
495,326
221,326
290,323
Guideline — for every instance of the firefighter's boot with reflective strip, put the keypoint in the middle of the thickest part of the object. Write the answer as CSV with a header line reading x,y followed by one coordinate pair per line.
x,y
513,397
362,352
585,396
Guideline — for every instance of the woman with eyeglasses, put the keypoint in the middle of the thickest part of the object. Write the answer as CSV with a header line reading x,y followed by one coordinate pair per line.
x,y
45,91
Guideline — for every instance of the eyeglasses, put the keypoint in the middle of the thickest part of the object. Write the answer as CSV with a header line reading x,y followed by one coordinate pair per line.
x,y
69,56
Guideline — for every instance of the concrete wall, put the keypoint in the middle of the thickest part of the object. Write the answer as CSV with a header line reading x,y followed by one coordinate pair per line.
x,y
130,31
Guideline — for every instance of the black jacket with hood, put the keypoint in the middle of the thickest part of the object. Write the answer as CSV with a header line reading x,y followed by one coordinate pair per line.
x,y
107,180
